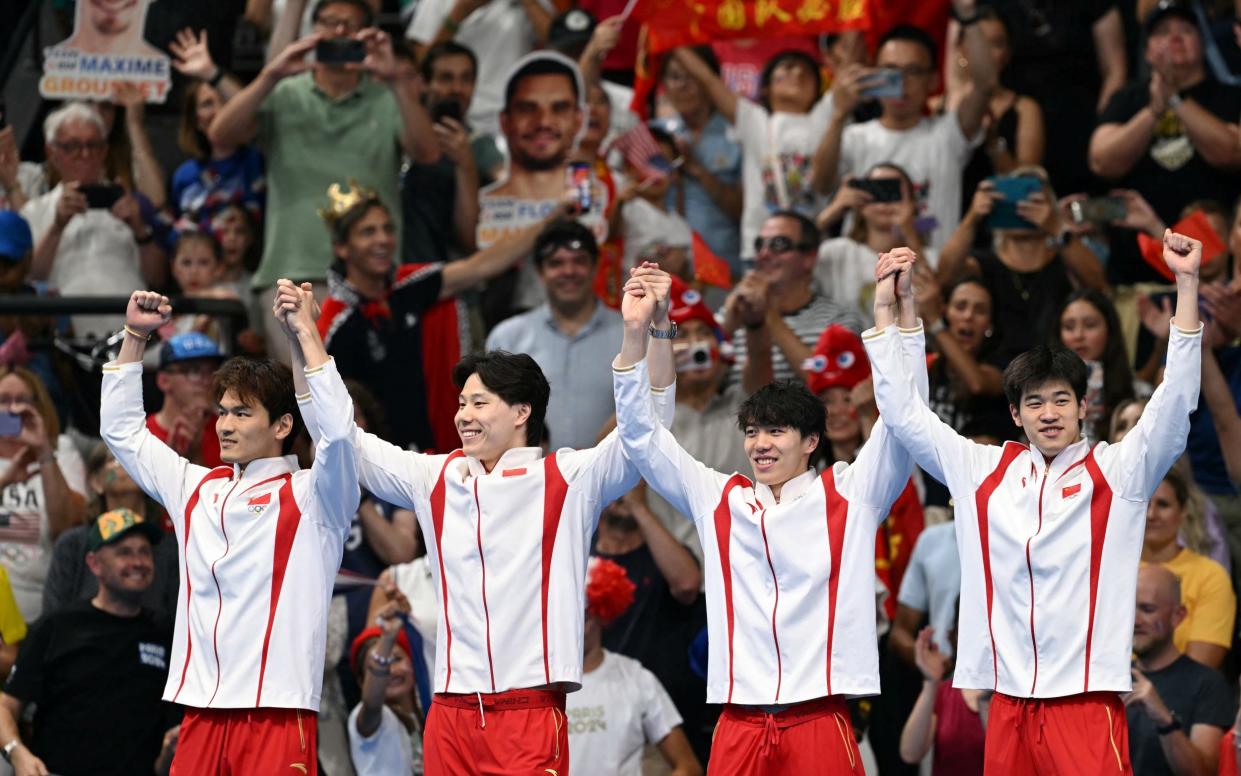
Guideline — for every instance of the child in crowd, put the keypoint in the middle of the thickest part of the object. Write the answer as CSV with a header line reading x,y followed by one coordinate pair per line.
x,y
650,230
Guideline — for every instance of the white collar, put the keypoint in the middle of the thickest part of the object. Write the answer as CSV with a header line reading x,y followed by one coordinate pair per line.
x,y
790,491
265,468
513,457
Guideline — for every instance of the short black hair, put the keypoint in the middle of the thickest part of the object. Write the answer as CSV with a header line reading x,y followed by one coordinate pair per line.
x,y
808,232
514,377
789,55
447,48
561,233
368,15
784,404
909,32
704,52
540,66
264,381
1041,365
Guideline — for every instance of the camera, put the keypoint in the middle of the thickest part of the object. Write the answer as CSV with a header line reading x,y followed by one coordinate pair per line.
x,y
696,357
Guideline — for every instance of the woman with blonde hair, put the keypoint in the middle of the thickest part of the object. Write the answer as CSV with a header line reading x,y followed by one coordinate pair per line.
x,y
1174,524
42,484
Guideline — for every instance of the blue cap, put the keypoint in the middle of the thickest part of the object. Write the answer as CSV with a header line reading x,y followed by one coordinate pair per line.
x,y
15,238
188,346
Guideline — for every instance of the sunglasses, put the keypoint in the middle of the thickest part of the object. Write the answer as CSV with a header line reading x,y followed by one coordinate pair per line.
x,y
779,244
549,248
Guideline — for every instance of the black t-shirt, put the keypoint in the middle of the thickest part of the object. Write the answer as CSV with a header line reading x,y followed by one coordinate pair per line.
x,y
427,200
1172,173
97,679
1023,304
1197,694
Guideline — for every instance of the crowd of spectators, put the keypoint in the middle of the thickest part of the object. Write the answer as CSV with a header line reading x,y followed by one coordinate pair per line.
x,y
1027,151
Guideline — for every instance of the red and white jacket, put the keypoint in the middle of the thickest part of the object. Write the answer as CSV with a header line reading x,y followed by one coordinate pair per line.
x,y
1049,549
259,551
790,584
507,549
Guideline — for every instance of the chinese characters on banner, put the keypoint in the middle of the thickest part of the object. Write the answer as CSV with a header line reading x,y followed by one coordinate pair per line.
x,y
106,48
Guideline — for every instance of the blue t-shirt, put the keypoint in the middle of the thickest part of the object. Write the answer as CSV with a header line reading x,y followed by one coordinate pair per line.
x,y
1204,452
718,151
200,190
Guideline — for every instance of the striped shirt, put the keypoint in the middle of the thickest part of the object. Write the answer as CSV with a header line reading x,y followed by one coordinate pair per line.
x,y
807,323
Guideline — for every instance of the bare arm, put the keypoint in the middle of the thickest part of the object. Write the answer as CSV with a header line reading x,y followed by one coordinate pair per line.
x,y
904,631
148,174
1109,42
678,754
675,563
757,370
1116,148
375,681
1216,140
724,100
492,260
1219,400
919,732
1031,134
982,74
540,19
826,162
237,122
1211,655
287,27
957,249
1083,265
393,541
24,761
786,340
258,13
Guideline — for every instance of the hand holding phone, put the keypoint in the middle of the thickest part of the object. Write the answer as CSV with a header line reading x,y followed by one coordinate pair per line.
x,y
884,82
101,196
10,424
1098,210
879,189
1012,189
340,51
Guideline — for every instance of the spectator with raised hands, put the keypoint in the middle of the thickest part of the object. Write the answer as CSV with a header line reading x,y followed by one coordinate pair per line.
x,y
385,728
215,176
1029,268
950,721
354,119
92,247
846,264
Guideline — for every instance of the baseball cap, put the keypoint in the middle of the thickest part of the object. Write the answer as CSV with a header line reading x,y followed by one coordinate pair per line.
x,y
570,30
1166,8
188,346
111,527
685,304
15,238
838,360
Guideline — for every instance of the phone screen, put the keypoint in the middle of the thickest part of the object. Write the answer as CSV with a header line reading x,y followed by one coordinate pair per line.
x,y
335,51
10,423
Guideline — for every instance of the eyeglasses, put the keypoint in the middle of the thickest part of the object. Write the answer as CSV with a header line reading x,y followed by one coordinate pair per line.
x,y
779,244
338,23
74,147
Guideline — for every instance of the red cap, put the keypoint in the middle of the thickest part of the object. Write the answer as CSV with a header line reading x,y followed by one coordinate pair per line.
x,y
374,632
685,304
838,361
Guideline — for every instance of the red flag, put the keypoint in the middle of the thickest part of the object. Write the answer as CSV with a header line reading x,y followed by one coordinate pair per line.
x,y
608,275
1194,225
708,267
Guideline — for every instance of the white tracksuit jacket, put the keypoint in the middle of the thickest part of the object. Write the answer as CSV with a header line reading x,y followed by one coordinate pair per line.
x,y
259,551
507,549
790,585
1049,550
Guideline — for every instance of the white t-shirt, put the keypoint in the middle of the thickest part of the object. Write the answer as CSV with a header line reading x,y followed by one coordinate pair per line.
x,y
414,580
845,271
620,709
934,154
777,151
389,751
499,34
97,256
25,534
647,228
932,581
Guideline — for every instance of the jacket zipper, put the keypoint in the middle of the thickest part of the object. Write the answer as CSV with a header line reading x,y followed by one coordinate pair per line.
x,y
482,563
219,592
762,522
1030,571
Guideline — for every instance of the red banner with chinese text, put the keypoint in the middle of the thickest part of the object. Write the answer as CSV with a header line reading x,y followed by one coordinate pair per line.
x,y
673,23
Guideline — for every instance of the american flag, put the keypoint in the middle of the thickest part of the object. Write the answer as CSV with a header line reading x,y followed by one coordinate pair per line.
x,y
641,150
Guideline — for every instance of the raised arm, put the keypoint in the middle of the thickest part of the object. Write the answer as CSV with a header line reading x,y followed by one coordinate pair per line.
x,y
846,93
1136,465
154,466
723,98
982,72
417,138
1109,45
237,122
1223,408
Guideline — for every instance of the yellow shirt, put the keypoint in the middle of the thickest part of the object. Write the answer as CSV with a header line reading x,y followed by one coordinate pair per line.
x,y
1210,603
12,626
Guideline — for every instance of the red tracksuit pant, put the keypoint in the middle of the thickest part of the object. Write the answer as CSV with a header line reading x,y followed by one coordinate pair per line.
x,y
240,742
514,733
1077,735
815,737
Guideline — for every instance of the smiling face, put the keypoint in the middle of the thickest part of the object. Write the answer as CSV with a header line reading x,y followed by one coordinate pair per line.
x,y
778,453
1083,329
784,268
370,246
968,315
1165,514
541,122
488,425
125,568
568,275
1051,416
246,431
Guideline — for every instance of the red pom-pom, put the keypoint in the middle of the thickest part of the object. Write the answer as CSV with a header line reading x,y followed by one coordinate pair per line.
x,y
609,591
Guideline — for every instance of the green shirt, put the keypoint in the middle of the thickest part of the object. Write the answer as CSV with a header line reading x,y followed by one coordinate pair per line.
x,y
311,141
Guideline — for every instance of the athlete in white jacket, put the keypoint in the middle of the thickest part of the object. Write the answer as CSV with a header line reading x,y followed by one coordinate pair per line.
x,y
508,534
789,554
1050,535
260,541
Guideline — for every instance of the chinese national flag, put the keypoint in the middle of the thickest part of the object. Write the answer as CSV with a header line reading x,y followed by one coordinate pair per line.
x,y
1194,225
608,275
708,267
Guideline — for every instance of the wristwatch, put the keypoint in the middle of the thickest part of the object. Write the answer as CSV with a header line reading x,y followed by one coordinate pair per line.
x,y
7,750
665,334
1171,727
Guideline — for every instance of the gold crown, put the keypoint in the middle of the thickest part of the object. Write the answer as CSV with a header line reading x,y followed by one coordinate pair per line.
x,y
341,202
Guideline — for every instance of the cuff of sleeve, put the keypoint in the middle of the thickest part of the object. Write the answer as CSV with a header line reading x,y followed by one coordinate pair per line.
x,y
1188,332
303,398
128,366
627,371
318,370
874,333
914,330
